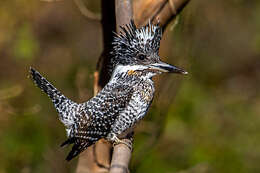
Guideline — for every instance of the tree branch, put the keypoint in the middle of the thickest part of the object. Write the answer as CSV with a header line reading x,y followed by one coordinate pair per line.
x,y
122,154
86,12
157,10
91,159
121,157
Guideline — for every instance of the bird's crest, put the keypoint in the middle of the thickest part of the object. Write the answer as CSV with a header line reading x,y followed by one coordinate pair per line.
x,y
131,41
147,36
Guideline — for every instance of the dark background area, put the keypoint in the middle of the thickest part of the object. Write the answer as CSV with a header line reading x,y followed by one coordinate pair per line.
x,y
208,121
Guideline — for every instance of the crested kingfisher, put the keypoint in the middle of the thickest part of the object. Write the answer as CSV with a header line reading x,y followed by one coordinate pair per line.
x,y
124,100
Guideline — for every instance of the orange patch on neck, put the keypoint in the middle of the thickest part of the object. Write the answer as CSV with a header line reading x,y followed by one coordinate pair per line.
x,y
131,72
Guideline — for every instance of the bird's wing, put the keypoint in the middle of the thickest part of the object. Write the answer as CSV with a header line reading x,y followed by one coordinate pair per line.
x,y
100,113
135,110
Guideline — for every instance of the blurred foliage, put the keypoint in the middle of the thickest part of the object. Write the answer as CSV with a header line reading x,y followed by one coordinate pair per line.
x,y
207,121
25,46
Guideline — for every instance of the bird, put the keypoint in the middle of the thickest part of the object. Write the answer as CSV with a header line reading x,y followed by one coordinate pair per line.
x,y
124,100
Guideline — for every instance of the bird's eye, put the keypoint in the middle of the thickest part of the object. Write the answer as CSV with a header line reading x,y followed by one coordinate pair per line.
x,y
141,57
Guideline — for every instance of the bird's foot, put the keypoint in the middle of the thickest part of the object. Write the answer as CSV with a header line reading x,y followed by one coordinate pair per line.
x,y
115,140
119,141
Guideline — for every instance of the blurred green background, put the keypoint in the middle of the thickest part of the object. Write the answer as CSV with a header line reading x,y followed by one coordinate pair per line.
x,y
208,121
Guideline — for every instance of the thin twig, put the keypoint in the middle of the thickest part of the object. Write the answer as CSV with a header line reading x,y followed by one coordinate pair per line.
x,y
86,12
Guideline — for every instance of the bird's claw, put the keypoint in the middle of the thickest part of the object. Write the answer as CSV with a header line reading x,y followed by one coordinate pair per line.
x,y
116,141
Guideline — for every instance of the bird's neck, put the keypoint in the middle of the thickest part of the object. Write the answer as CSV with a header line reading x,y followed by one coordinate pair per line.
x,y
134,72
131,74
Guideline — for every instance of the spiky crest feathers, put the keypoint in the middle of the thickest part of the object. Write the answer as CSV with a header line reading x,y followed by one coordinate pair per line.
x,y
131,41
130,33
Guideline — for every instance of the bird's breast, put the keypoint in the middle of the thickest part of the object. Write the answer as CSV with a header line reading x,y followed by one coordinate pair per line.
x,y
146,90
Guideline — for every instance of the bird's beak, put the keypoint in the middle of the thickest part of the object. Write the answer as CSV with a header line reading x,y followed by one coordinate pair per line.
x,y
164,67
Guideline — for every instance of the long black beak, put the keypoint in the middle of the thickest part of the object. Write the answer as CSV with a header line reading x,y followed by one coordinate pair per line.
x,y
164,67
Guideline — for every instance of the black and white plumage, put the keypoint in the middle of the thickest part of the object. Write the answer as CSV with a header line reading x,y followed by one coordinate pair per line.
x,y
126,97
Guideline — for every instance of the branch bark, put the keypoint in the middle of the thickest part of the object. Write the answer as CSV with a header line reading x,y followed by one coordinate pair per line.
x,y
122,154
157,10
97,158
101,158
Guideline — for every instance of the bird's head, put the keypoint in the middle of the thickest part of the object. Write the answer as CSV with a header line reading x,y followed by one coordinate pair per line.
x,y
137,50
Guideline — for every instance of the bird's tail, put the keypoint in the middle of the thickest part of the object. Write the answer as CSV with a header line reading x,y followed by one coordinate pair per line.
x,y
76,149
65,107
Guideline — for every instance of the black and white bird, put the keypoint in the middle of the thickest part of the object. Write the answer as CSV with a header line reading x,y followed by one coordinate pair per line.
x,y
125,99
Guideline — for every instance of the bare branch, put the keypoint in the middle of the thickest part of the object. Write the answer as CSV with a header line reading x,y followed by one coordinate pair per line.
x,y
82,8
122,154
90,160
159,10
124,12
86,12
121,157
